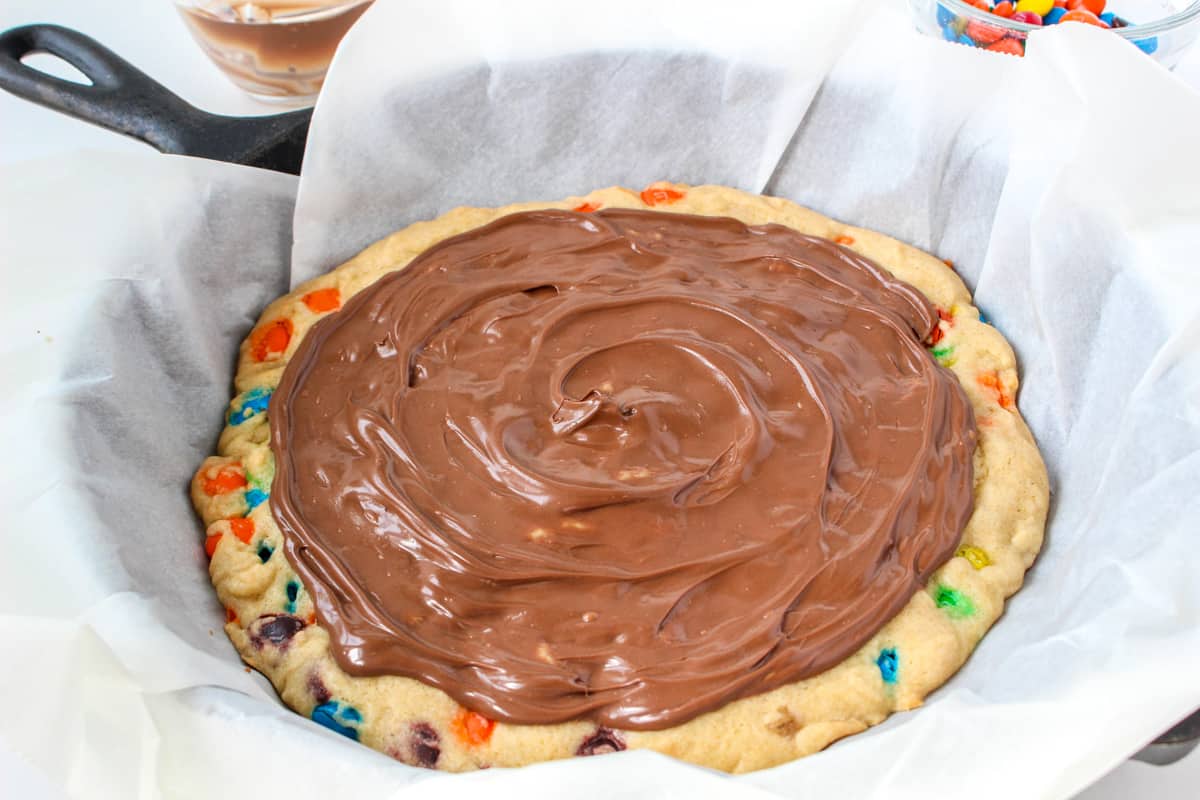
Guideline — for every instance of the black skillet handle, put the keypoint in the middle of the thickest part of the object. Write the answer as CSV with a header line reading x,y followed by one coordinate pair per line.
x,y
124,99
121,97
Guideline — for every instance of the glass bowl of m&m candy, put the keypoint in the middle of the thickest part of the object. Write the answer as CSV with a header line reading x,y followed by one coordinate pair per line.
x,y
1163,29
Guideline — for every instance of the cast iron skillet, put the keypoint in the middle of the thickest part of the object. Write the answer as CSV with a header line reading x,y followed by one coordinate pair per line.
x,y
126,100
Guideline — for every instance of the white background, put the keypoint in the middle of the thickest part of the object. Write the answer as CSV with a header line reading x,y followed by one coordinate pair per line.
x,y
149,34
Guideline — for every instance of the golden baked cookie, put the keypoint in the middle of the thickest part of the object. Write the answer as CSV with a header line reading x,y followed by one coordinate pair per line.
x,y
739,711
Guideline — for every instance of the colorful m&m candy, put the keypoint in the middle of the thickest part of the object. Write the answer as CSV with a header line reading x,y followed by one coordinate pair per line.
x,y
1001,38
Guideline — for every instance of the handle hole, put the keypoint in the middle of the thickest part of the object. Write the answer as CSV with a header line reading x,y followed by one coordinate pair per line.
x,y
56,67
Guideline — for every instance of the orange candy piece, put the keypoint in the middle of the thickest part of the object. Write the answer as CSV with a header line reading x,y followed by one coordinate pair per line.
x,y
1004,9
320,301
210,544
230,615
660,194
845,240
587,208
243,529
1094,6
271,340
227,479
1083,15
991,381
471,728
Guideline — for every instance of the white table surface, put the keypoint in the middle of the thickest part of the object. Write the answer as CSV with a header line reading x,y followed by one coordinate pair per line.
x,y
149,34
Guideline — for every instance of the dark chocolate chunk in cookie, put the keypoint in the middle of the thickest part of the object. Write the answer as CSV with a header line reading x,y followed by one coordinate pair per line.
x,y
274,629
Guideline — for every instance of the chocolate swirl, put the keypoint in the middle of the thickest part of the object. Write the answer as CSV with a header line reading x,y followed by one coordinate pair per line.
x,y
627,466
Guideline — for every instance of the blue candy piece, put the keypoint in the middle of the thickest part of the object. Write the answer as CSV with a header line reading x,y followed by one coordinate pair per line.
x,y
1147,46
888,663
335,716
944,15
249,404
984,318
255,497
1053,16
949,34
293,591
967,40
264,553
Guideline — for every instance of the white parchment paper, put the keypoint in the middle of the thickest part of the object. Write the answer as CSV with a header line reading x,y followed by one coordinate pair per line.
x,y
1064,186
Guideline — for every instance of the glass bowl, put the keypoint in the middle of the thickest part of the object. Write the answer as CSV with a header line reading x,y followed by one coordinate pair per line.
x,y
1164,29
275,50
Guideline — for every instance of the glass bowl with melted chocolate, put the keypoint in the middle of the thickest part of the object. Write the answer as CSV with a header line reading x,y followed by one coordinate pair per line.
x,y
275,50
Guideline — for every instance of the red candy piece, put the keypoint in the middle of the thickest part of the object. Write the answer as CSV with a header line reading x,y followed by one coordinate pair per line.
x,y
600,742
243,529
471,728
271,340
227,479
1060,3
1094,6
587,208
982,34
660,194
210,544
1083,15
1013,47
936,334
230,615
1028,17
982,5
1005,9
321,300
424,746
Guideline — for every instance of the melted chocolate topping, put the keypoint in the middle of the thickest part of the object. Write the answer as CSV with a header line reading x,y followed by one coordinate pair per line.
x,y
625,466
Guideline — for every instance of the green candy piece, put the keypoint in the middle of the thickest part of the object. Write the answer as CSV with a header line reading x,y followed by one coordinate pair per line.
x,y
944,355
955,603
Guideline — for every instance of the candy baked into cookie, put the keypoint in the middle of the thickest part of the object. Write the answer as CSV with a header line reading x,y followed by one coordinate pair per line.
x,y
689,469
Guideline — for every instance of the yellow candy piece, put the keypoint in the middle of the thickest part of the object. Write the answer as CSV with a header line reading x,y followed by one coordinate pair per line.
x,y
1039,7
974,556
